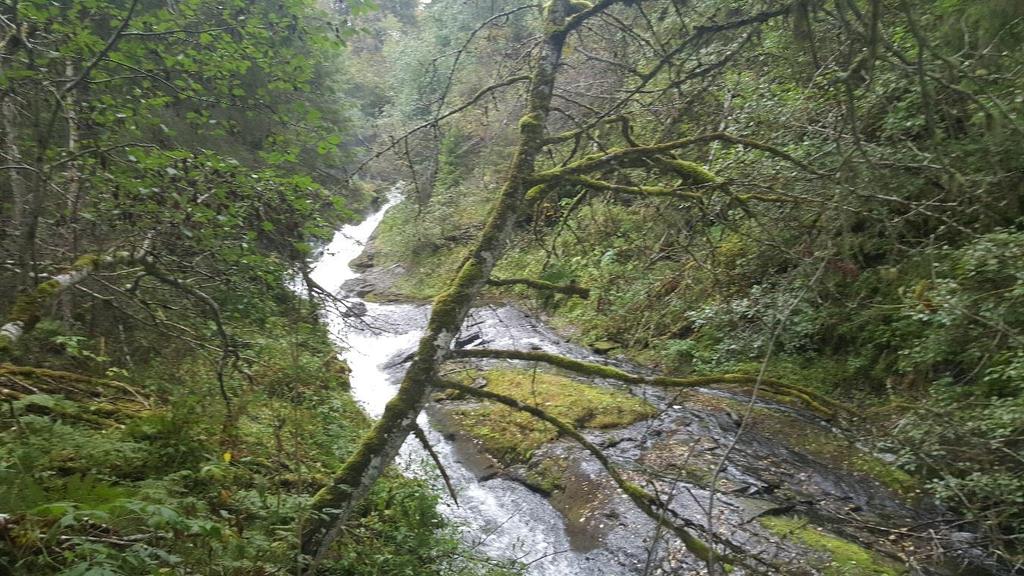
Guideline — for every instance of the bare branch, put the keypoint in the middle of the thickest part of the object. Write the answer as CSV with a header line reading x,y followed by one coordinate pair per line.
x,y
469,103
425,442
114,38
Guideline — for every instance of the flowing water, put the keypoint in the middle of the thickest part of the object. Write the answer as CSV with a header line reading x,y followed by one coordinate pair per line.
x,y
501,518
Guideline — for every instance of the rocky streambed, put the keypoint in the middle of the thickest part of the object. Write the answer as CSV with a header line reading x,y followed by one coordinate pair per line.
x,y
789,490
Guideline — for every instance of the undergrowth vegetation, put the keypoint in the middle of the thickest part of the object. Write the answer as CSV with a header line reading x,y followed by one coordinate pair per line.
x,y
159,492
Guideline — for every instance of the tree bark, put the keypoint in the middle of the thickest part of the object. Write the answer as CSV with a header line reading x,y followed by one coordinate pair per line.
x,y
29,306
17,182
73,189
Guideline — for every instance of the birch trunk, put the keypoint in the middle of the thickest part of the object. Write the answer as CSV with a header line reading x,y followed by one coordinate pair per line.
x,y
13,154
73,188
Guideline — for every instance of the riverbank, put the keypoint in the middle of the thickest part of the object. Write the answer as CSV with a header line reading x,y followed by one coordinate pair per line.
x,y
792,491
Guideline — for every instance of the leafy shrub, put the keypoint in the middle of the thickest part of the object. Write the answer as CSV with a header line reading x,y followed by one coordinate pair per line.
x,y
963,332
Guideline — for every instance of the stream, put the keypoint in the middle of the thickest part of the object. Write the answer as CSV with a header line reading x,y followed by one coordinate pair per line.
x,y
501,518
592,529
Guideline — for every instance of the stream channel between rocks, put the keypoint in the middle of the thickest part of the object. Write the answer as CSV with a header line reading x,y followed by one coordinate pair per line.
x,y
590,528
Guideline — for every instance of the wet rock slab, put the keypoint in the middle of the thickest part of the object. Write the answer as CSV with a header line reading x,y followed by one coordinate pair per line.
x,y
776,468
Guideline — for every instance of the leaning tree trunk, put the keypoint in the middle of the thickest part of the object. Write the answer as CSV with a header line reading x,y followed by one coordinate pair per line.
x,y
31,304
335,503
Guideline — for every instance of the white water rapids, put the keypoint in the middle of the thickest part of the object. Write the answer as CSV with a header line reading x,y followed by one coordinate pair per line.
x,y
498,517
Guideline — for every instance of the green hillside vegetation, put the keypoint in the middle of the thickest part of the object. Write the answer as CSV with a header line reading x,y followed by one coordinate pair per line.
x,y
825,193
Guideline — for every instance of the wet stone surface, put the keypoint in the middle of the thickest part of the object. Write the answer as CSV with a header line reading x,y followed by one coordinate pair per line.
x,y
559,511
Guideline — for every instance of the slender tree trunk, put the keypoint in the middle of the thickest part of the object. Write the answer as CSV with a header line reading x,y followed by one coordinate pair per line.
x,y
73,189
35,197
13,154
335,503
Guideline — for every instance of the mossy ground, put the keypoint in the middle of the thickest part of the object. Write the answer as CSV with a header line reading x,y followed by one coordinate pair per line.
x,y
511,436
845,558
548,475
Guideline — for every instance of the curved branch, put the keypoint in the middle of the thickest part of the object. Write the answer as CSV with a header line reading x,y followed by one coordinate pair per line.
x,y
631,157
458,53
433,122
118,34
573,134
578,20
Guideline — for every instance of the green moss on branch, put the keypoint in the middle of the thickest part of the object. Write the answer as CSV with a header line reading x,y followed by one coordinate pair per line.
x,y
29,306
45,374
639,155
571,289
824,406
652,191
692,174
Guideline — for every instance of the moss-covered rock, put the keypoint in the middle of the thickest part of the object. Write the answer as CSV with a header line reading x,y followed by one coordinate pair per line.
x,y
511,436
605,346
835,450
845,558
546,476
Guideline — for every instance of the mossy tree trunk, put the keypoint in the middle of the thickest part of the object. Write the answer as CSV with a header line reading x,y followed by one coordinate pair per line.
x,y
334,504
30,305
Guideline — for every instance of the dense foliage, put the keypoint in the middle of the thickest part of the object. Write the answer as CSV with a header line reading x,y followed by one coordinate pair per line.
x,y
170,405
158,493
884,270
168,167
